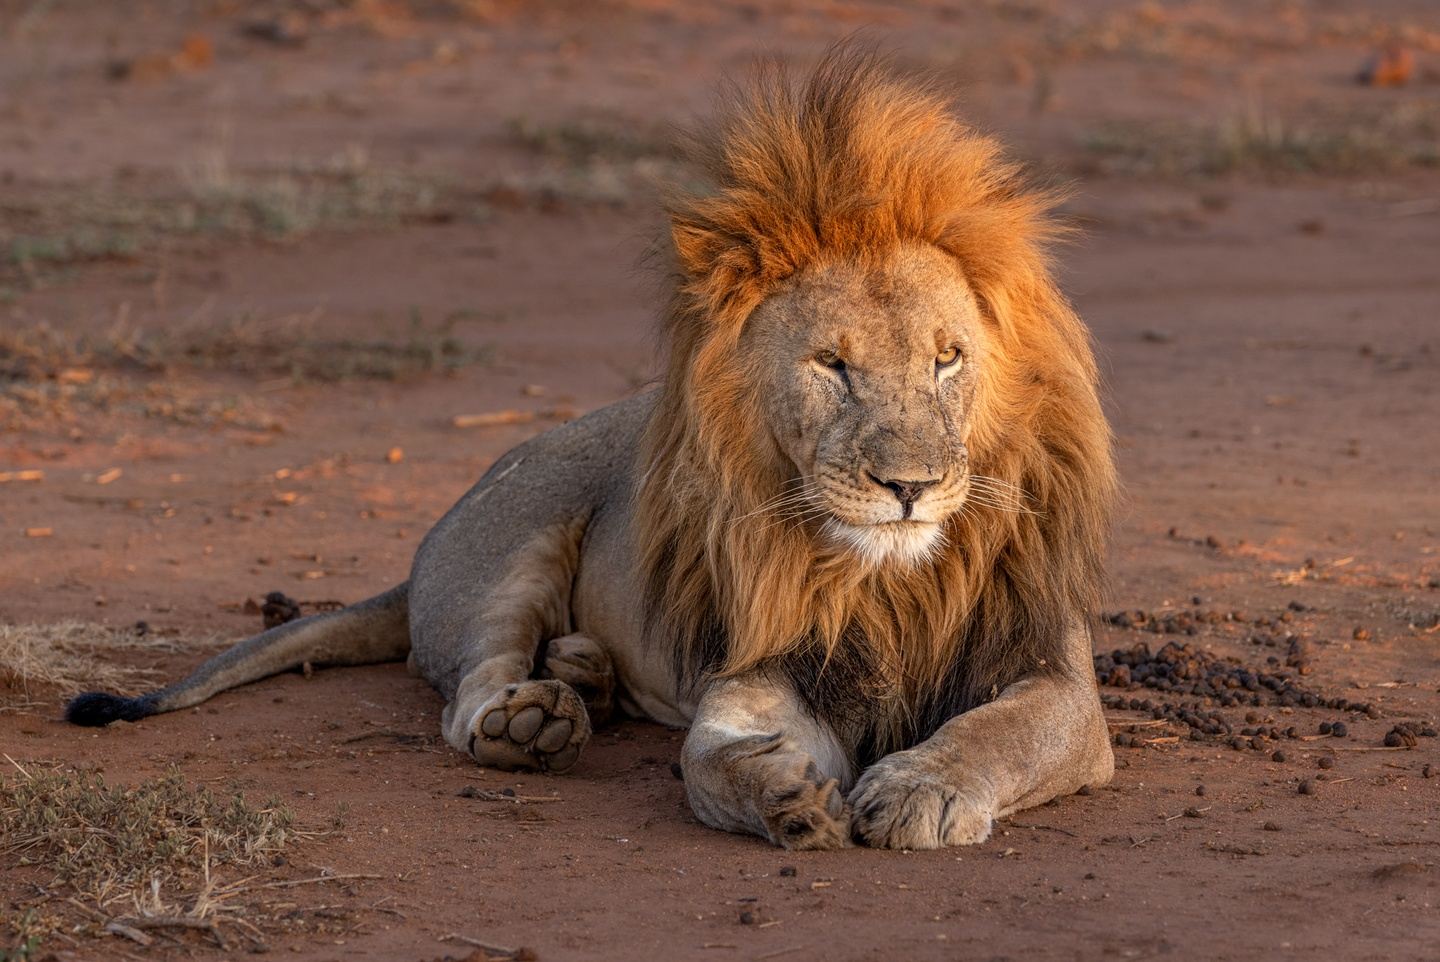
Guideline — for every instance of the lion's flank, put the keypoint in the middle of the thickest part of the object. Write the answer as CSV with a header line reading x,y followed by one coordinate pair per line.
x,y
849,163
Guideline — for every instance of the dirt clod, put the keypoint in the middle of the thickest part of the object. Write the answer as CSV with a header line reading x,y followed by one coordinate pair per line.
x,y
278,609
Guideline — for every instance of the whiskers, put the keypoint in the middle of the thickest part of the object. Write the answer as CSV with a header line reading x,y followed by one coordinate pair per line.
x,y
998,494
797,493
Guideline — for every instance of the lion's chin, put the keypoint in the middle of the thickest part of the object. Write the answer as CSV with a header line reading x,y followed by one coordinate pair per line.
x,y
905,542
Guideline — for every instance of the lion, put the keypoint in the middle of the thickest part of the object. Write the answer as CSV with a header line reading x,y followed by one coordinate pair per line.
x,y
852,539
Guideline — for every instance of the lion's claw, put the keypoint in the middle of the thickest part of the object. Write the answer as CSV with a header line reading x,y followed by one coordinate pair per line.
x,y
900,803
805,812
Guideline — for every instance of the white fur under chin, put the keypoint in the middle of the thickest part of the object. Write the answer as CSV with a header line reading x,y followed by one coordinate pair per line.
x,y
908,542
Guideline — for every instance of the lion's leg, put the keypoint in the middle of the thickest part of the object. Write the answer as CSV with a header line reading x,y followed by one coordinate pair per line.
x,y
1043,737
756,761
501,713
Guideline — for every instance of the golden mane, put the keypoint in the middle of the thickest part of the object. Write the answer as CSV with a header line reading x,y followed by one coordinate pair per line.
x,y
846,165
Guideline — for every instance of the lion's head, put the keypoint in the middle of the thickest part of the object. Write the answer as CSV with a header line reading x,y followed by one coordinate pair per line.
x,y
878,461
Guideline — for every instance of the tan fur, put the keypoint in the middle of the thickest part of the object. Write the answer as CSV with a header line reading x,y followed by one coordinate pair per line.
x,y
847,169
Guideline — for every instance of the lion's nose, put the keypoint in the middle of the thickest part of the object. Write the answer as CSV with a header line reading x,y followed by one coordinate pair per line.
x,y
907,492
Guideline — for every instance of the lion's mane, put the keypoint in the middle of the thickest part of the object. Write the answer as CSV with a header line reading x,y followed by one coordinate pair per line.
x,y
846,165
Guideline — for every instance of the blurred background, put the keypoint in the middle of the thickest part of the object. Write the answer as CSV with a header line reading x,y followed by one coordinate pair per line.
x,y
294,272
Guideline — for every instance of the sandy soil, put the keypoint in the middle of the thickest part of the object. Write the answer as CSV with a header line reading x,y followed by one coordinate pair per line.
x,y
1267,330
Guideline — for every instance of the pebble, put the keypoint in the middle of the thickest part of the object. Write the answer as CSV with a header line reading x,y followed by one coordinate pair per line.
x,y
1307,787
1325,761
1271,827
1278,757
747,918
787,871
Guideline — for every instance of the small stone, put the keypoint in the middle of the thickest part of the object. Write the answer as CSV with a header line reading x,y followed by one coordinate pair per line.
x,y
1339,730
1362,634
1307,787
1428,771
1278,757
747,918
1325,728
1084,790
1271,827
677,771
1200,790
787,871
1325,761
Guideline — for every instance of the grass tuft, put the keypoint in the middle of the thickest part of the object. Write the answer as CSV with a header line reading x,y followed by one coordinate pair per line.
x,y
108,843
68,657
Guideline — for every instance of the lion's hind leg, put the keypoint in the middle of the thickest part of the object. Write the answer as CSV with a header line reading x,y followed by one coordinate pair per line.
x,y
505,712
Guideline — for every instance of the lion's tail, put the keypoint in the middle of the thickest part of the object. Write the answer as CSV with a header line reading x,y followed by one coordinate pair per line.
x,y
371,631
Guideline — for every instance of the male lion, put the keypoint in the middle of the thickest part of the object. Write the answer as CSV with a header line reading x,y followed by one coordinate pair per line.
x,y
851,540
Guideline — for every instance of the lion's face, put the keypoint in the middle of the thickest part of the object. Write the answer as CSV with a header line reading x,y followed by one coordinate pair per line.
x,y
868,377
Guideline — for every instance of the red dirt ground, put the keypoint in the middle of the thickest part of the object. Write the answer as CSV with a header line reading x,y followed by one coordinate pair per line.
x,y
1269,340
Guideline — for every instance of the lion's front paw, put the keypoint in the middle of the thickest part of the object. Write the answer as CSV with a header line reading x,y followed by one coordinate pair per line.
x,y
901,802
535,724
801,808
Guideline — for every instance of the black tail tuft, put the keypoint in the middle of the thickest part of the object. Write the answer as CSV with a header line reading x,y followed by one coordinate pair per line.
x,y
95,708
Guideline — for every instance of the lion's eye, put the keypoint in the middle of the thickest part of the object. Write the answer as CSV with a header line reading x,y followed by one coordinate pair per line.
x,y
948,357
831,360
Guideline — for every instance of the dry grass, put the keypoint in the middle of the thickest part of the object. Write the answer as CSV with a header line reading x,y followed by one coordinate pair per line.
x,y
1259,143
132,859
109,843
288,347
48,229
589,161
68,657
346,190
47,374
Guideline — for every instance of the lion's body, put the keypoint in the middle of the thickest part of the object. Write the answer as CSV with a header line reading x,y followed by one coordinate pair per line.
x,y
851,540
579,482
